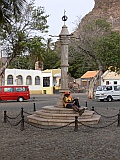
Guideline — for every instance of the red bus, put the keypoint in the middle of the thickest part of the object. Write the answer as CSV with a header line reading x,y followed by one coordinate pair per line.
x,y
19,93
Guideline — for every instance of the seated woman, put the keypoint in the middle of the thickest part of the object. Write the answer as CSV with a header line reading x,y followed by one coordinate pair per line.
x,y
68,102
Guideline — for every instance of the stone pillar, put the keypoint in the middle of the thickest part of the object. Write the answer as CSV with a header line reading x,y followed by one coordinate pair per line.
x,y
64,40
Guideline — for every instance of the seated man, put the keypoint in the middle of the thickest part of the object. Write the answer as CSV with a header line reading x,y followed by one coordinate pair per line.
x,y
76,102
68,102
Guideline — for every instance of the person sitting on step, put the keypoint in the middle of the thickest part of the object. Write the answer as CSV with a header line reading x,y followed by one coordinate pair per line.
x,y
76,102
69,102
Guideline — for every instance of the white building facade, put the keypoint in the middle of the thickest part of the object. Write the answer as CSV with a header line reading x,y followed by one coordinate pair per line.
x,y
110,78
31,78
39,82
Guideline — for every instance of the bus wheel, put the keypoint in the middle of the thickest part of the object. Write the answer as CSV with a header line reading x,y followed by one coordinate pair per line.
x,y
20,99
109,99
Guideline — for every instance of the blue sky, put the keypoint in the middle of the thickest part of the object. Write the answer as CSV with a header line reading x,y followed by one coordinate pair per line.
x,y
75,9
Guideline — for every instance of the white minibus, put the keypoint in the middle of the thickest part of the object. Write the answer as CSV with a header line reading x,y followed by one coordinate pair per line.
x,y
108,92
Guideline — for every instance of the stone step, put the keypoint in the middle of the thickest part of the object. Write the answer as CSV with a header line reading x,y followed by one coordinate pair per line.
x,y
65,115
61,122
54,116
56,110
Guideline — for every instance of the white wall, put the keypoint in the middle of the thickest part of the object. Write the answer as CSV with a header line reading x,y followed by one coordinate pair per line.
x,y
111,82
111,77
24,74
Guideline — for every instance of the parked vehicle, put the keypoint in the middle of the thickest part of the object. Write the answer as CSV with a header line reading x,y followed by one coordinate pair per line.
x,y
19,93
108,92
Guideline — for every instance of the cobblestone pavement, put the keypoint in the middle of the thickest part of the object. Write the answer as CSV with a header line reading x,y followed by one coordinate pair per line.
x,y
60,144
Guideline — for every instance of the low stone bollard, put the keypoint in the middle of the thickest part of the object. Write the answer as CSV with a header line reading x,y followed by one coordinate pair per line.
x,y
93,108
21,112
86,104
118,125
76,124
33,98
22,123
34,108
5,116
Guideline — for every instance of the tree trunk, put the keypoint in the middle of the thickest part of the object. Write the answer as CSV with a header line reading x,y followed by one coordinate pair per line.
x,y
91,89
2,69
93,82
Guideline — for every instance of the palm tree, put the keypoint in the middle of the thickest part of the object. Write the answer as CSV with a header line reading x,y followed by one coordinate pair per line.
x,y
9,7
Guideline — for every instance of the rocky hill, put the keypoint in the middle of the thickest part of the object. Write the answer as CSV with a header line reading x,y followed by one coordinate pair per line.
x,y
107,9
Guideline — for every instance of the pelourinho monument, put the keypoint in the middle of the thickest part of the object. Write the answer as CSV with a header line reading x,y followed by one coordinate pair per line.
x,y
57,115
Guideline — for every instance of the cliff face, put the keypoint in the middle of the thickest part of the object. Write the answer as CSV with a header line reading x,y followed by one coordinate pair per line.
x,y
106,3
110,10
107,9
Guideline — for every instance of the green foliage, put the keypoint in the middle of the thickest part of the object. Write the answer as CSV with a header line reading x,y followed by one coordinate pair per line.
x,y
9,8
18,36
51,56
21,62
97,25
102,23
51,61
109,50
79,64
39,20
97,48
36,49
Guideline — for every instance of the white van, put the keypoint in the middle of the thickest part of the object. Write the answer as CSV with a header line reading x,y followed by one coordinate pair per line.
x,y
108,92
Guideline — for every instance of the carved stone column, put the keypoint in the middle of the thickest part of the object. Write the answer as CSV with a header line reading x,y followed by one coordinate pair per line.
x,y
64,40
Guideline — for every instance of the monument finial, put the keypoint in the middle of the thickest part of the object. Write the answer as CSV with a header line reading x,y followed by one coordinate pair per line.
x,y
64,18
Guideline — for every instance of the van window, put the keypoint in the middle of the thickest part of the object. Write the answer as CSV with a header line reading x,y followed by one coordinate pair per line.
x,y
117,88
21,89
108,88
101,88
0,89
8,89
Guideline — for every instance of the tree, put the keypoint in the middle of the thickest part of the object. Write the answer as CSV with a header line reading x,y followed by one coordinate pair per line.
x,y
79,64
51,58
90,45
21,62
109,50
7,8
18,37
38,52
36,49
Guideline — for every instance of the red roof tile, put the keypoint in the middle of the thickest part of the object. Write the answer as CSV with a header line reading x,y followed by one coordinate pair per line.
x,y
90,74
